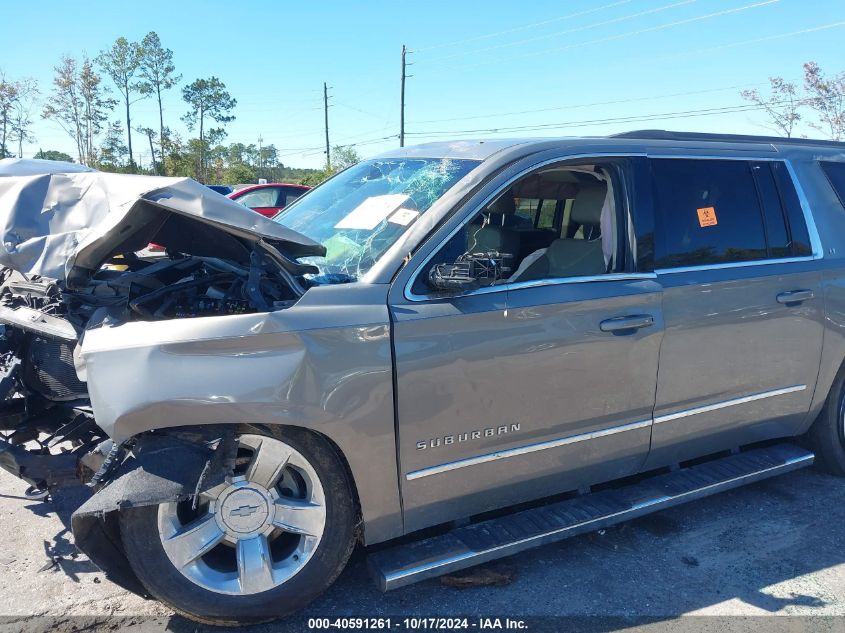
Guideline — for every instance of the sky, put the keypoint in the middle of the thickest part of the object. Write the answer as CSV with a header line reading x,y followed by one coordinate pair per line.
x,y
497,68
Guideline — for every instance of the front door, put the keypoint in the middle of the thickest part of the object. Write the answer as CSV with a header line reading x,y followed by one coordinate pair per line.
x,y
541,382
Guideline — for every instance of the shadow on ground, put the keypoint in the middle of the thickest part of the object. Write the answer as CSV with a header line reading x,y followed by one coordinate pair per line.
x,y
770,548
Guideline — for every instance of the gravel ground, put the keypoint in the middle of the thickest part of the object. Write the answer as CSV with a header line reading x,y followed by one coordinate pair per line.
x,y
776,548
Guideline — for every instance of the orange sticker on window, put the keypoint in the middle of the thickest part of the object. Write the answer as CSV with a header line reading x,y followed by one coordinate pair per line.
x,y
707,217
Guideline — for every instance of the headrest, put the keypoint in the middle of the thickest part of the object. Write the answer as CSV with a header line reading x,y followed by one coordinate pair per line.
x,y
504,205
586,209
493,238
573,258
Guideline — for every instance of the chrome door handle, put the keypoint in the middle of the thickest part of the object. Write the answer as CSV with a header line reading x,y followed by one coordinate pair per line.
x,y
632,322
795,296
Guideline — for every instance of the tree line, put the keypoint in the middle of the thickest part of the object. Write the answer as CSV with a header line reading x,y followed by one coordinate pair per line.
x,y
83,104
787,104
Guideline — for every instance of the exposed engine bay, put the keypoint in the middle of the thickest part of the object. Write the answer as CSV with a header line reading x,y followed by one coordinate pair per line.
x,y
74,256
45,410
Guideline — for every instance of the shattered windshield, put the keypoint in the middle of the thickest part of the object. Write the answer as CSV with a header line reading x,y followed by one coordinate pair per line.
x,y
361,212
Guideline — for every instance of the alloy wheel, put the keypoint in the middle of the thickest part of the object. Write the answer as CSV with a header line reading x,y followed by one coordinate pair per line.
x,y
253,532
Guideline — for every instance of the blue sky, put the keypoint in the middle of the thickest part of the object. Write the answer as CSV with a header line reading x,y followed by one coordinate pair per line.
x,y
477,66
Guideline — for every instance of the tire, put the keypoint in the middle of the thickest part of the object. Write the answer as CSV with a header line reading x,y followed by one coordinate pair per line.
x,y
826,437
177,553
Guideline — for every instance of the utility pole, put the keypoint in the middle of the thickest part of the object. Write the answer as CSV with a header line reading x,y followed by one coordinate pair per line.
x,y
326,112
260,160
402,103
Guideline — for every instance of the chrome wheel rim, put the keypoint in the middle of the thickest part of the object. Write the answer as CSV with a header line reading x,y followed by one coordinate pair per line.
x,y
254,532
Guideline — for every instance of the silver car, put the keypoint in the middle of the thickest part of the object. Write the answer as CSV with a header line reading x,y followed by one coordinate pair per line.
x,y
591,329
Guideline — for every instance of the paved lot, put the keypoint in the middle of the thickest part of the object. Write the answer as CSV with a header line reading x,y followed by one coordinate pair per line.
x,y
776,548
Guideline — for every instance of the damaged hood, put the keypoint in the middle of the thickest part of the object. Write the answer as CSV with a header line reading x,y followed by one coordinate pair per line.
x,y
61,220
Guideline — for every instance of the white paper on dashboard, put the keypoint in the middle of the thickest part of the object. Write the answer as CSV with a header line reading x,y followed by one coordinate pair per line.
x,y
371,212
403,216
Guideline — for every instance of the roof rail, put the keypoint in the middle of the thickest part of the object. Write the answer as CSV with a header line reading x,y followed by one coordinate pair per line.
x,y
666,135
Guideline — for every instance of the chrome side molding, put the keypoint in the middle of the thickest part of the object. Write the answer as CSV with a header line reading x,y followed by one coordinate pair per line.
x,y
572,439
524,450
728,403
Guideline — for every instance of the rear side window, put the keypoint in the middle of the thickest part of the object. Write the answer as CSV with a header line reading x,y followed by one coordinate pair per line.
x,y
835,173
798,233
777,233
708,212
724,211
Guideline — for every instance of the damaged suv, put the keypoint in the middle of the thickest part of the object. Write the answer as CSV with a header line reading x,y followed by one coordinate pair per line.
x,y
426,340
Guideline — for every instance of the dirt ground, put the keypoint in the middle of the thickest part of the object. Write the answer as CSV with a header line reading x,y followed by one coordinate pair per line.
x,y
767,557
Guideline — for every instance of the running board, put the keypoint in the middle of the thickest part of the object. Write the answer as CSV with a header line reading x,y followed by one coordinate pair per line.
x,y
478,543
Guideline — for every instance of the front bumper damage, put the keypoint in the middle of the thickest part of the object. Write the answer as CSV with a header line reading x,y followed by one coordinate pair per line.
x,y
154,468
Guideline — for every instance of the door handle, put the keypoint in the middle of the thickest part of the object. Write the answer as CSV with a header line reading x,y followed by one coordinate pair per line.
x,y
795,296
632,322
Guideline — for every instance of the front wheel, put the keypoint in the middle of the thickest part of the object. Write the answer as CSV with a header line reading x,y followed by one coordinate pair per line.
x,y
260,546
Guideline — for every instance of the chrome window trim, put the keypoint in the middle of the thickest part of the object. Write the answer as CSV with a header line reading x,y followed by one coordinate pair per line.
x,y
815,241
755,262
534,283
411,296
524,450
581,437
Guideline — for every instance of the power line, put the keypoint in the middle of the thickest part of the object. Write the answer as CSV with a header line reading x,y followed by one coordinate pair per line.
x,y
757,40
349,107
579,29
606,121
624,35
524,27
593,104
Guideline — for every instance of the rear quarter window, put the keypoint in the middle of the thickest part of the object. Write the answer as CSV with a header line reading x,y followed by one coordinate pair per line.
x,y
835,173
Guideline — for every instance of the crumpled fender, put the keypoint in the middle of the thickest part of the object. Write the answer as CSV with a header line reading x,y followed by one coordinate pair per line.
x,y
160,468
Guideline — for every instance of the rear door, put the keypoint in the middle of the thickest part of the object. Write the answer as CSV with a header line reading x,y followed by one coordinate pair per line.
x,y
742,302
521,390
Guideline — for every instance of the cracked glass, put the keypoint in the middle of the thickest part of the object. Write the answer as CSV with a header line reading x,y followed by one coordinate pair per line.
x,y
360,213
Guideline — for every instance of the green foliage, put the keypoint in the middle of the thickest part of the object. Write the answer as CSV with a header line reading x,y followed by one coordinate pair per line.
x,y
238,173
826,96
158,73
79,105
823,96
207,99
113,150
316,177
342,157
52,154
121,62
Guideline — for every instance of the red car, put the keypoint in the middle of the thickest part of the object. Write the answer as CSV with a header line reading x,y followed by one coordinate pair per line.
x,y
268,199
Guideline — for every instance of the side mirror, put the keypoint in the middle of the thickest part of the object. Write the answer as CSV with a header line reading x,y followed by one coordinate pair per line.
x,y
453,278
469,272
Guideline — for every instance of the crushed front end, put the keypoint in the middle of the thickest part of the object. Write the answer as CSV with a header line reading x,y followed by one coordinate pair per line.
x,y
74,256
